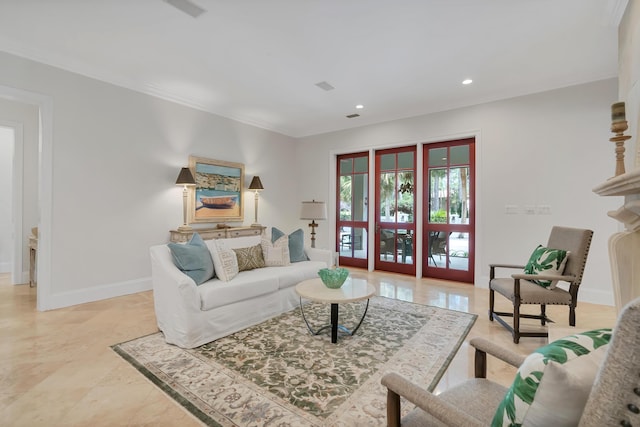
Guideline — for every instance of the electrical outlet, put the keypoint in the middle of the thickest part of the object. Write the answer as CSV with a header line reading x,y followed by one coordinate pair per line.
x,y
511,209
544,210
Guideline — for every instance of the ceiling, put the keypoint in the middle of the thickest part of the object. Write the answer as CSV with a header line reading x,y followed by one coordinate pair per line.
x,y
258,61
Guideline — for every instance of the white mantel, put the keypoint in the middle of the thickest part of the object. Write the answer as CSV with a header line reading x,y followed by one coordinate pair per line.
x,y
624,247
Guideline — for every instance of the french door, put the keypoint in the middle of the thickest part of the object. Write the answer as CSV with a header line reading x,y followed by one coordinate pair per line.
x,y
395,210
352,209
449,220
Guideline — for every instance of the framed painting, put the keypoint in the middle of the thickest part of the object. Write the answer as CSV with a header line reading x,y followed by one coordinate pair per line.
x,y
218,194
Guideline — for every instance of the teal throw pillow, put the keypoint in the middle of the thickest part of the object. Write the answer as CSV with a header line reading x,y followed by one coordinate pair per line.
x,y
553,383
193,259
296,244
546,261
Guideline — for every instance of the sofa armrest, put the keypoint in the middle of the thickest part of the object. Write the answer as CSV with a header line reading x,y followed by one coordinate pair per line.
x,y
174,292
317,254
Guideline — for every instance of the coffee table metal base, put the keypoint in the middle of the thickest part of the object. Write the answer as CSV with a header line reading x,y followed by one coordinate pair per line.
x,y
334,322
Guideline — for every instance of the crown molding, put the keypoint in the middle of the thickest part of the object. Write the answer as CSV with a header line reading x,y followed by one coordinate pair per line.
x,y
614,11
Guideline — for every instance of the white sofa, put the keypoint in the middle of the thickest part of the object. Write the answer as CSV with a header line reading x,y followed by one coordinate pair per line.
x,y
191,315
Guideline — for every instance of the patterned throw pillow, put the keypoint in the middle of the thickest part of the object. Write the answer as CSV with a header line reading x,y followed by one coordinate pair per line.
x,y
551,387
193,259
224,261
276,254
546,261
249,258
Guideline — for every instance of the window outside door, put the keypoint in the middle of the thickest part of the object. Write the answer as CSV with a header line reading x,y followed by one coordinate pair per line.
x,y
449,226
352,206
395,210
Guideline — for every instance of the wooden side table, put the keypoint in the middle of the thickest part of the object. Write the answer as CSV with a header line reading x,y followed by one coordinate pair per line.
x,y
33,251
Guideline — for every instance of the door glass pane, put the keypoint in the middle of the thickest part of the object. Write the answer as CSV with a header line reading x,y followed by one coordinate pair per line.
x,y
345,197
459,155
353,242
387,196
437,249
387,162
361,164
437,196
405,197
437,157
346,166
405,160
405,247
360,202
387,245
459,195
360,242
459,251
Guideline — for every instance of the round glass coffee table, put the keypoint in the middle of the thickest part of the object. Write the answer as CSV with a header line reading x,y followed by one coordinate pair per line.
x,y
353,290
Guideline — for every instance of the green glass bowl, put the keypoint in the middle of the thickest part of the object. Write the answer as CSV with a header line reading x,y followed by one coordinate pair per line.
x,y
333,277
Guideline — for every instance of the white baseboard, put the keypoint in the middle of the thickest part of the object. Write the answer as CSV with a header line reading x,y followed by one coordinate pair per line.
x,y
5,267
98,293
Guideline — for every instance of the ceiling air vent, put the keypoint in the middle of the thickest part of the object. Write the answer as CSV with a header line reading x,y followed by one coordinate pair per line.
x,y
352,116
187,7
325,86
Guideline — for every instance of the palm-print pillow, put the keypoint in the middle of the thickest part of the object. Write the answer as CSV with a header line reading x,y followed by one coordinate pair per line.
x,y
546,261
551,387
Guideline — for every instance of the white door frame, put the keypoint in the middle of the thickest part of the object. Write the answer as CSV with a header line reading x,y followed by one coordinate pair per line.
x,y
45,185
17,266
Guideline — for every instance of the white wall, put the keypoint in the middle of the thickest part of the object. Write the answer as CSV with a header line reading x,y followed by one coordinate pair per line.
x,y
6,204
549,148
629,75
116,154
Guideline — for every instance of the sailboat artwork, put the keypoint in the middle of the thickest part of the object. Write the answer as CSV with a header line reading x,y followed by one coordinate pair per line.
x,y
218,190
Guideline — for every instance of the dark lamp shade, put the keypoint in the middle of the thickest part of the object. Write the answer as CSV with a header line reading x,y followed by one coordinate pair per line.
x,y
185,177
256,184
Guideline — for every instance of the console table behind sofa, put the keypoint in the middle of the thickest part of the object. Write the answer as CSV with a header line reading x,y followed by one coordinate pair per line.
x,y
178,236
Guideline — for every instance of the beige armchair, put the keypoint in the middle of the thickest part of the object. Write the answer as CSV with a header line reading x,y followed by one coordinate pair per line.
x,y
613,399
520,289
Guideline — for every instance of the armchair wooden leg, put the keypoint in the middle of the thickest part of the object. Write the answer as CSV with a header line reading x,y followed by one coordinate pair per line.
x,y
516,322
572,315
543,314
393,409
492,298
480,364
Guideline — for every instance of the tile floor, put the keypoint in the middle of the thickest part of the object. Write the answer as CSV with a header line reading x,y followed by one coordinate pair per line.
x,y
57,367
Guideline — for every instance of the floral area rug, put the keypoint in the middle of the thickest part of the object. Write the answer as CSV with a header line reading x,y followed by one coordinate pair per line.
x,y
278,374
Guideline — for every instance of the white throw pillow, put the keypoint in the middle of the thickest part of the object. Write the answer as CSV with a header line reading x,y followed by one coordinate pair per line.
x,y
553,383
225,262
275,254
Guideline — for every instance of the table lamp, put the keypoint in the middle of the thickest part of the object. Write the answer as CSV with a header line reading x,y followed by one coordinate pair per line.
x,y
313,210
256,185
185,178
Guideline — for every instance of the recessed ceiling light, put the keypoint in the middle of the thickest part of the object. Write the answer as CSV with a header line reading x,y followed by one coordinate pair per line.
x,y
467,81
359,106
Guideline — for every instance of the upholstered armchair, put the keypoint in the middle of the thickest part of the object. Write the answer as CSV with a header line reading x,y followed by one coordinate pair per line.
x,y
597,386
563,259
